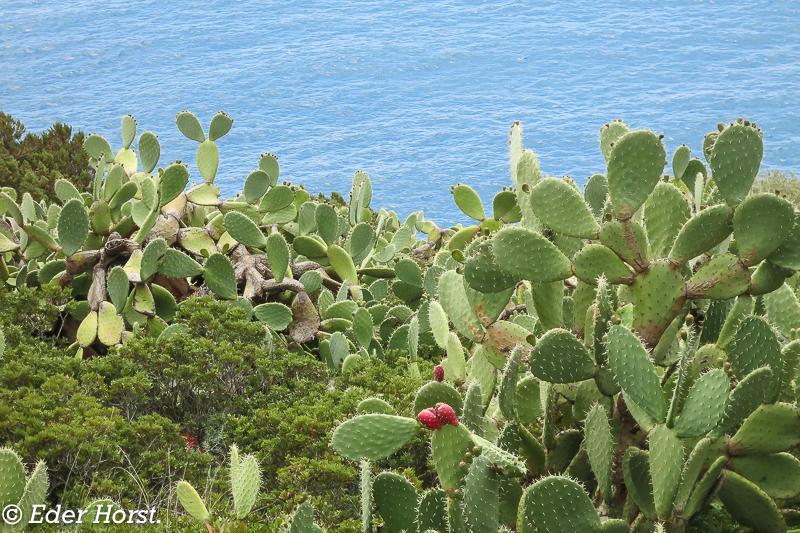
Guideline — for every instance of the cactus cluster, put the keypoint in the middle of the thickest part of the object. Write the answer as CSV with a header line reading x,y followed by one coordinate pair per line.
x,y
612,359
17,489
647,327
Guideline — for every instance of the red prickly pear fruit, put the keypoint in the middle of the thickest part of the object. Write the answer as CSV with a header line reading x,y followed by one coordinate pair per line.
x,y
438,373
429,419
445,414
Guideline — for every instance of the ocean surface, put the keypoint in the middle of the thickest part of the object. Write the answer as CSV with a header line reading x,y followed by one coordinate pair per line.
x,y
418,94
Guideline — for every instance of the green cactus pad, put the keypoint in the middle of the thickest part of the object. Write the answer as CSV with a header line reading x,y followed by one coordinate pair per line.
x,y
778,474
635,165
149,151
680,161
278,255
770,429
173,181
734,161
558,205
703,488
35,494
191,501
657,298
529,404
767,278
109,324
557,504
143,301
754,345
600,448
448,446
73,226
453,300
205,194
507,396
748,504
666,466
595,193
309,247
87,331
482,497
787,255
65,190
190,126
610,134
702,232
220,276
504,206
691,473
468,201
342,263
374,436
177,264
256,185
595,260
396,500
151,257
635,373
220,125
374,406
559,357
533,452
566,446
586,396
269,164
245,483
742,308
704,405
438,392
432,512
760,225
343,309
12,482
244,230
275,315
472,415
527,255
95,145
636,472
723,278
50,270
276,199
627,239
665,213
303,519
483,275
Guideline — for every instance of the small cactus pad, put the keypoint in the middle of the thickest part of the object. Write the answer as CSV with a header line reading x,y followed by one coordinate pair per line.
x,y
191,501
508,464
244,230
12,482
788,253
666,466
374,436
761,224
704,405
483,275
453,299
73,226
220,276
557,504
734,161
723,278
665,213
754,345
468,201
749,505
559,357
595,260
635,165
448,447
432,511
525,254
303,520
610,134
245,483
190,126
702,232
777,474
220,125
770,429
627,239
482,497
636,471
558,205
635,373
657,298
600,448
396,500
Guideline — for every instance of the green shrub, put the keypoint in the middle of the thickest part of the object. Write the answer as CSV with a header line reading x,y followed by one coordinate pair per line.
x,y
34,162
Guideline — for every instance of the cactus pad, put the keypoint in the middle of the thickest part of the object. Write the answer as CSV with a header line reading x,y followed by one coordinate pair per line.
x,y
734,161
557,504
73,226
595,260
558,205
396,499
448,446
482,497
374,436
770,429
749,505
635,165
760,224
636,471
635,373
704,405
438,392
702,232
559,357
600,448
527,255
191,501
754,345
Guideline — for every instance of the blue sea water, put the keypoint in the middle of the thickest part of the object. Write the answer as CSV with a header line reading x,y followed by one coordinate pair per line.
x,y
418,94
